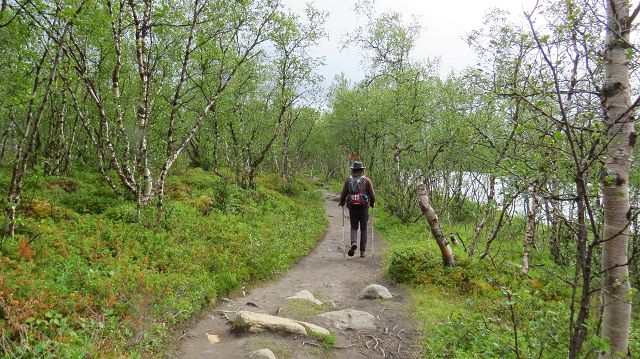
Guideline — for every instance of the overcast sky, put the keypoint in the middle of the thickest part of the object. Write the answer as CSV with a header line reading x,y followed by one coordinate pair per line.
x,y
444,26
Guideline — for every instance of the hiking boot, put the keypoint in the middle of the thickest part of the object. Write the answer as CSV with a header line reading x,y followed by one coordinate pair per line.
x,y
363,254
352,250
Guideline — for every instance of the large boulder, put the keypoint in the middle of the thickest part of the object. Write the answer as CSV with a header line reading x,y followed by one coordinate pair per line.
x,y
349,319
259,322
305,295
262,354
375,291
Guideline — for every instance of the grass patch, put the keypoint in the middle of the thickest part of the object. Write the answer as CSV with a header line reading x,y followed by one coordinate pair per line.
x,y
336,186
328,341
301,309
440,303
83,278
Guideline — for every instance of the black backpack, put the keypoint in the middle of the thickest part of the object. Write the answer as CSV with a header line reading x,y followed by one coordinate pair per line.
x,y
356,193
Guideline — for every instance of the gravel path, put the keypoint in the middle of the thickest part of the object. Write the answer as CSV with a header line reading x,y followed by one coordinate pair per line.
x,y
331,278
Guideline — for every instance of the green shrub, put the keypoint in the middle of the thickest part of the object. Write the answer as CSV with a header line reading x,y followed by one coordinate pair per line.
x,y
410,264
90,202
290,186
126,212
66,184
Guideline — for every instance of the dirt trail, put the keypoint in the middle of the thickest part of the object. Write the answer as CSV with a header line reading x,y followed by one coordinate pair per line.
x,y
330,277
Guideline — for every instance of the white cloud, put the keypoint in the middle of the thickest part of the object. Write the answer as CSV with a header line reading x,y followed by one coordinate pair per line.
x,y
444,25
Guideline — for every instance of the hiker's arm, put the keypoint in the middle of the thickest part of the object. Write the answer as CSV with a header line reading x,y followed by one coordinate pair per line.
x,y
343,195
371,193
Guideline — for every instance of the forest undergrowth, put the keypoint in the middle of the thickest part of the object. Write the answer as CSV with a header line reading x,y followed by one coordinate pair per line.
x,y
485,307
84,278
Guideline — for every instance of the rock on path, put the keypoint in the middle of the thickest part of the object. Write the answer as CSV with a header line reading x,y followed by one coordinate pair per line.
x,y
306,295
375,291
350,319
259,322
262,354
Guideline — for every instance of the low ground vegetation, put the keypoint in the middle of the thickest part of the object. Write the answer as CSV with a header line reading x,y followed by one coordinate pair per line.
x,y
85,278
484,308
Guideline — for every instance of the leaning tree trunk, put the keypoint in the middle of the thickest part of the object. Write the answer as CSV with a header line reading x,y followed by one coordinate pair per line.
x,y
622,137
448,258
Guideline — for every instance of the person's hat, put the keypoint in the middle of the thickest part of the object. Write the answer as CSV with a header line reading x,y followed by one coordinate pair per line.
x,y
357,165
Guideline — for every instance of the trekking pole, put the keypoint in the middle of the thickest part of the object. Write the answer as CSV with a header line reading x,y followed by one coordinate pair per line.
x,y
373,211
344,244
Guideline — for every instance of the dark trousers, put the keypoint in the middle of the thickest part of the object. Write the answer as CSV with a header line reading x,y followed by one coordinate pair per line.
x,y
359,216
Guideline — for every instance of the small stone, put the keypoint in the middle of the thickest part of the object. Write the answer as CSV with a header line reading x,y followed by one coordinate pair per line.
x,y
305,295
213,338
262,354
375,291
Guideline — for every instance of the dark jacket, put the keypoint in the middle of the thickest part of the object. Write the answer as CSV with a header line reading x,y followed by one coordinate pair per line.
x,y
368,187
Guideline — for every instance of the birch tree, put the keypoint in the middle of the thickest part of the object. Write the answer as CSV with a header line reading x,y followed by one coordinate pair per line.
x,y
45,73
289,76
619,122
183,56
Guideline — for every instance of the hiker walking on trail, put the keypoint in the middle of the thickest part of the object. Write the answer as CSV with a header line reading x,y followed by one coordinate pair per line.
x,y
358,195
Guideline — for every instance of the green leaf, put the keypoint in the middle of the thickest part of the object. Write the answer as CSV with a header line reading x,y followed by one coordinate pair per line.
x,y
630,53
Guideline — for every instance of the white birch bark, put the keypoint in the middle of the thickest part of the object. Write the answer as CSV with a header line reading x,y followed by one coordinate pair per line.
x,y
448,258
622,137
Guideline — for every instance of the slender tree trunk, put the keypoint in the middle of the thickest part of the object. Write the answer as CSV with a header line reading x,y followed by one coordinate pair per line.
x,y
286,161
488,208
7,135
494,233
531,230
142,28
622,136
160,203
248,176
584,256
215,151
555,229
459,196
448,258
56,144
447,195
67,147
93,138
193,151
